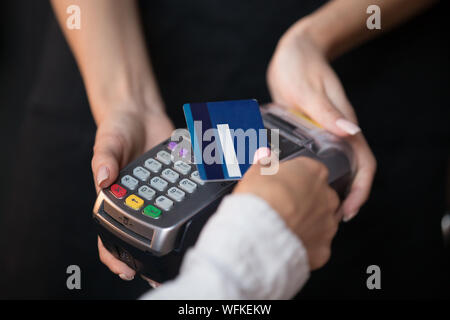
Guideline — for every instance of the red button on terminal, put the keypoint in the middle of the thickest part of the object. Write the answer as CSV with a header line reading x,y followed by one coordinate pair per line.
x,y
118,191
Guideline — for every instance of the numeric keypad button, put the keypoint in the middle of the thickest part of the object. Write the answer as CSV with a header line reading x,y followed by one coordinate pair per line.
x,y
158,183
176,194
129,182
187,185
170,175
164,203
141,173
196,177
164,157
182,167
146,192
153,165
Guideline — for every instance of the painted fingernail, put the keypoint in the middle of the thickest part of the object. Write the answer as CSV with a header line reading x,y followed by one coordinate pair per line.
x,y
126,277
348,126
102,175
349,217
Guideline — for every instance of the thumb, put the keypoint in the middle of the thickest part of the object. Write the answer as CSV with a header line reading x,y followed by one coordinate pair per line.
x,y
322,110
108,152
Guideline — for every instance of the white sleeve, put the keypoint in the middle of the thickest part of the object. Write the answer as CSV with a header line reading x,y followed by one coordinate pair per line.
x,y
245,251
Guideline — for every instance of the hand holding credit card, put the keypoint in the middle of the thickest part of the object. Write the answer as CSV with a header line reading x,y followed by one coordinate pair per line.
x,y
225,136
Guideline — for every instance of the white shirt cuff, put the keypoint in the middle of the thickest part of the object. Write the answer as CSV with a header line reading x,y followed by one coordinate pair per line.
x,y
245,251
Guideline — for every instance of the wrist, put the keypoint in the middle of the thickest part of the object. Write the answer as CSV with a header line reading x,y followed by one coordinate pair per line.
x,y
131,94
277,196
312,30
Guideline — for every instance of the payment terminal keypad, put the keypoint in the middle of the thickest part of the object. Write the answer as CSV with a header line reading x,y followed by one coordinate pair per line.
x,y
158,184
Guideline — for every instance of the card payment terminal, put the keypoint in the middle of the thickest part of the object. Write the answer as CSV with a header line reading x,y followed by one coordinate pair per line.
x,y
157,207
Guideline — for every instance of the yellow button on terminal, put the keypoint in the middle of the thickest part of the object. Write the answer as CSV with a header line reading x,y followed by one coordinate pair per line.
x,y
134,202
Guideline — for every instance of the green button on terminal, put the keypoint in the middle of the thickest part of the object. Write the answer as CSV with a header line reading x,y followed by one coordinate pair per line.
x,y
151,211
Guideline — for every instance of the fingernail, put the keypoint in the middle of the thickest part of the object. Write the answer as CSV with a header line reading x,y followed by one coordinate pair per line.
x,y
348,126
126,277
349,217
102,175
261,153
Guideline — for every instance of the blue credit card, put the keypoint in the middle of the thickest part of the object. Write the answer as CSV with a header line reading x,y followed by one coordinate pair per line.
x,y
225,136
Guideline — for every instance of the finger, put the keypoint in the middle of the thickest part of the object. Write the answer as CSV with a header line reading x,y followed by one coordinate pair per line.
x,y
115,265
151,282
333,203
261,153
336,94
333,225
362,182
108,152
321,109
339,214
365,161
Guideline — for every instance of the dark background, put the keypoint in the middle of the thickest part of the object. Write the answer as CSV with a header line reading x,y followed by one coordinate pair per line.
x,y
399,85
22,29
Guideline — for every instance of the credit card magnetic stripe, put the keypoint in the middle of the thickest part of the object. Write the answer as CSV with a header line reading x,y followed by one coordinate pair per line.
x,y
229,151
